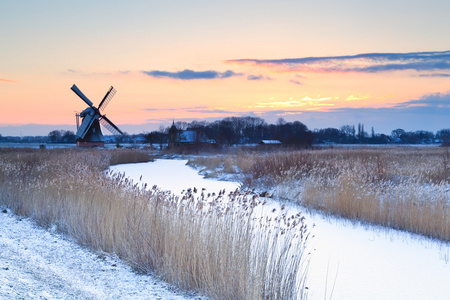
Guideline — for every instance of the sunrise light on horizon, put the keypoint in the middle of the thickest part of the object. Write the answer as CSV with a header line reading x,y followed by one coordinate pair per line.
x,y
326,64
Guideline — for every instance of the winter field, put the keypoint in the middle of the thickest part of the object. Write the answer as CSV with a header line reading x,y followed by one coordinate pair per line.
x,y
203,239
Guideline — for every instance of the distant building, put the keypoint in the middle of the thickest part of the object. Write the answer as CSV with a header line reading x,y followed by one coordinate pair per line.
x,y
269,142
193,137
179,138
173,136
140,140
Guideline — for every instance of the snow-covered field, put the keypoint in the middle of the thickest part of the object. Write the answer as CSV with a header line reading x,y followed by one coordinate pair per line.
x,y
40,264
348,261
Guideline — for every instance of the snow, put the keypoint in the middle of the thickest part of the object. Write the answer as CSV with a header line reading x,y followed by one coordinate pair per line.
x,y
348,260
376,263
173,175
41,264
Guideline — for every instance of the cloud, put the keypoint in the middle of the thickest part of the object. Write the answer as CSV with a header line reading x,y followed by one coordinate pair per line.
x,y
168,121
367,62
174,109
191,74
161,109
296,82
88,73
353,97
211,111
195,109
434,102
255,77
258,77
429,112
435,75
7,80
291,102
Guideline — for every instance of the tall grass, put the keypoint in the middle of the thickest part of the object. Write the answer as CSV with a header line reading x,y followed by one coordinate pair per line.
x,y
223,246
404,188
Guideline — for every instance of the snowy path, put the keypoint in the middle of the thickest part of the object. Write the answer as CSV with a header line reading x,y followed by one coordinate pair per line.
x,y
361,262
38,264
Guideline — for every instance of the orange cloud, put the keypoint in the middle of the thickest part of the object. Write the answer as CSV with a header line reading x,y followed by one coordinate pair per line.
x,y
306,102
353,97
7,80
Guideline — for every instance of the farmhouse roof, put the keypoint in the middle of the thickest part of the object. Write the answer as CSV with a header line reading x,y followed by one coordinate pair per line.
x,y
270,142
193,136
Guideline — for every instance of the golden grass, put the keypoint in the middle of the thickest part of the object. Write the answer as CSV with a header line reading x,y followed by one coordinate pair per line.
x,y
221,246
405,188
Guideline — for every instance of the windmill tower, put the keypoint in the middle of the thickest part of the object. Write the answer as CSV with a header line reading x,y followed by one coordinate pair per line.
x,y
89,133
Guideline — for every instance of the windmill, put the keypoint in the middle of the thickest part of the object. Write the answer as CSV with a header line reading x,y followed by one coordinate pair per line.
x,y
89,133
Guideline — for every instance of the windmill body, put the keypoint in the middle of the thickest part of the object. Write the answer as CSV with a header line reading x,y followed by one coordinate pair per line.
x,y
89,133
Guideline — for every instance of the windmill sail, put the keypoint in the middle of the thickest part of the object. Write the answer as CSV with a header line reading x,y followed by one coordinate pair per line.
x,y
81,95
110,126
107,98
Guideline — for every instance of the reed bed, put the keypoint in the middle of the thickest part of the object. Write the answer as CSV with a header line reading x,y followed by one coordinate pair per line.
x,y
405,188
223,246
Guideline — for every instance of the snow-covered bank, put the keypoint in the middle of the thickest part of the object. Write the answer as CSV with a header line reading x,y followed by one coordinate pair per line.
x,y
360,262
40,264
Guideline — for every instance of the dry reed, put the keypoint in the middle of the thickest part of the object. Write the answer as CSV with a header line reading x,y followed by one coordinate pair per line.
x,y
405,188
221,246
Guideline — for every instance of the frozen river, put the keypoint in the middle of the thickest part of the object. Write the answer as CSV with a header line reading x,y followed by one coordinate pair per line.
x,y
348,261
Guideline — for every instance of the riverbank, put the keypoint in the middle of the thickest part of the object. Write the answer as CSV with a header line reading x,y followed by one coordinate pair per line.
x,y
41,264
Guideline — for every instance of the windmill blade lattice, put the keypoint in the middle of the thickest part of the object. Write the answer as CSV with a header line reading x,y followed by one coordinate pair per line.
x,y
107,98
110,126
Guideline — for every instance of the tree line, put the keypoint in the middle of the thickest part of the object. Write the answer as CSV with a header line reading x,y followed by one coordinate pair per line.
x,y
348,134
251,130
242,130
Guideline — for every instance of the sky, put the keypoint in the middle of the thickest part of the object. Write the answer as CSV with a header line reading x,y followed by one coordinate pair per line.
x,y
325,63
